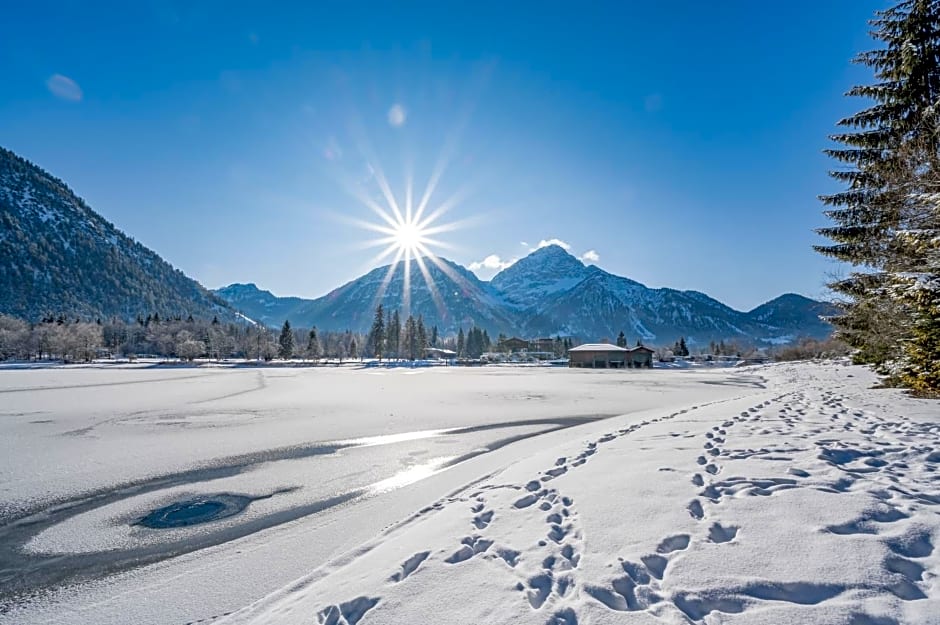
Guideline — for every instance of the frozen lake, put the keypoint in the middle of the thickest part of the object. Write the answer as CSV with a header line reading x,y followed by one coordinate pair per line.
x,y
251,477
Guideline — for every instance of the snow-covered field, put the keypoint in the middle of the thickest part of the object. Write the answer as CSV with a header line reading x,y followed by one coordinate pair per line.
x,y
778,494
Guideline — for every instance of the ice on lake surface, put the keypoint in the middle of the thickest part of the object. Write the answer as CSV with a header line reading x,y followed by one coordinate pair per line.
x,y
778,494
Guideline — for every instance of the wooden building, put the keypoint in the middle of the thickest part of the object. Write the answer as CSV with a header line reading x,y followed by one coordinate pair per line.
x,y
597,356
513,345
607,356
640,356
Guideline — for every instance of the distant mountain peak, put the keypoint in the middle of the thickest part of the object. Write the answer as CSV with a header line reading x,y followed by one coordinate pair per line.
x,y
553,249
547,270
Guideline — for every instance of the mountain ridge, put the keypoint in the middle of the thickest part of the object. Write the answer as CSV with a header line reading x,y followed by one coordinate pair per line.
x,y
551,292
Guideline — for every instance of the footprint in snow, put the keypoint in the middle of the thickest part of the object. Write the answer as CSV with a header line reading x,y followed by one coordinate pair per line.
x,y
410,565
718,533
480,521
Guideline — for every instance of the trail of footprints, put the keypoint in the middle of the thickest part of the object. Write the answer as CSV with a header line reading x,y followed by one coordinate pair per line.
x,y
887,450
555,580
640,585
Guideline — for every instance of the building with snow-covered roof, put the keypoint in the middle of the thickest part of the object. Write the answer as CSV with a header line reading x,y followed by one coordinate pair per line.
x,y
607,356
440,353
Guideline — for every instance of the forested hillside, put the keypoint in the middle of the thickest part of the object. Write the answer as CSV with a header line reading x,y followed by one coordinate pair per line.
x,y
58,256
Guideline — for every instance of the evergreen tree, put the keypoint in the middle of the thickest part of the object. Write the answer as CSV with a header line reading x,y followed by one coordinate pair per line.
x,y
377,333
680,348
422,336
353,348
621,340
487,344
394,336
461,344
917,287
411,338
286,342
472,344
313,350
435,339
883,144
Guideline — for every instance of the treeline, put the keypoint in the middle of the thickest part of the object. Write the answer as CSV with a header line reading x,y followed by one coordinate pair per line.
x,y
390,337
810,349
75,340
886,222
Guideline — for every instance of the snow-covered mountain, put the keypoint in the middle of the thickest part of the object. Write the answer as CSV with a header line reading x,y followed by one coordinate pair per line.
x,y
600,305
549,292
542,274
265,307
58,256
795,311
458,299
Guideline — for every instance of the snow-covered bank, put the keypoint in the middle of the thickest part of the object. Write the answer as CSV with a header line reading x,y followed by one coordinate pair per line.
x,y
780,494
814,500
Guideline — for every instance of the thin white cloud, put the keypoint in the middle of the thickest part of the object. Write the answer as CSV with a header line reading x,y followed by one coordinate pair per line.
x,y
492,262
64,88
397,116
558,242
590,256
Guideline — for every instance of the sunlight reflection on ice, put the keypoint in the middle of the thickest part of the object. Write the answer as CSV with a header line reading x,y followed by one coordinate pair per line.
x,y
410,475
390,439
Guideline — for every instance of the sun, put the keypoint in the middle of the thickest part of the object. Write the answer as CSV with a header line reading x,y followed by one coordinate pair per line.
x,y
406,236
410,229
410,236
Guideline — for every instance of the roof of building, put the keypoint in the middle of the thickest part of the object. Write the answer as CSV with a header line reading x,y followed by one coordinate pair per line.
x,y
640,348
438,350
597,347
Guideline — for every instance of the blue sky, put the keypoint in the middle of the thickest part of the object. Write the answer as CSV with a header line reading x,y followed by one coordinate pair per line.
x,y
680,142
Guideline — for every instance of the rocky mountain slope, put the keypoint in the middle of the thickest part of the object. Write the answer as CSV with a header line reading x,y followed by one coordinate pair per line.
x,y
58,256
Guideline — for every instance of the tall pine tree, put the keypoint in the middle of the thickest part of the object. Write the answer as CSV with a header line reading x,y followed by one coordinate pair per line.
x,y
394,336
377,333
881,146
313,350
422,337
411,338
286,342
